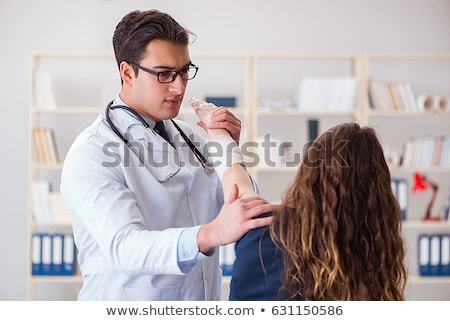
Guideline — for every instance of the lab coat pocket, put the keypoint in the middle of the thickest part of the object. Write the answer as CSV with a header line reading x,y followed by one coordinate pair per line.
x,y
153,288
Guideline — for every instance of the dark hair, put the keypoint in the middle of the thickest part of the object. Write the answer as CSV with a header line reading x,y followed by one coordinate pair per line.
x,y
340,225
134,32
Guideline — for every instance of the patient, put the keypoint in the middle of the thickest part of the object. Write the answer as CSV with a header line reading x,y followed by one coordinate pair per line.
x,y
337,234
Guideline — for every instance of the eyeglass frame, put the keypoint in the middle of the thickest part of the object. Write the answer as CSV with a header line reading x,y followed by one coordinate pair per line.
x,y
174,75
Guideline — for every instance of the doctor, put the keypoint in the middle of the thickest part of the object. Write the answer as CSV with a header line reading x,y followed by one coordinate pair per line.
x,y
148,212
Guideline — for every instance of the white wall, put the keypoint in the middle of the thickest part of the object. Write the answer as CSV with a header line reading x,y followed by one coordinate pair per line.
x,y
405,26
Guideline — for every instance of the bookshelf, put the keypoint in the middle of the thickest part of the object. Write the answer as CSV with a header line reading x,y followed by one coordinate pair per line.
x,y
266,87
285,103
59,109
419,126
67,92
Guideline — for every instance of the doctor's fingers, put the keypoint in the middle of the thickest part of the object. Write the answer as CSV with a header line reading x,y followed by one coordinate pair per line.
x,y
255,211
224,119
224,116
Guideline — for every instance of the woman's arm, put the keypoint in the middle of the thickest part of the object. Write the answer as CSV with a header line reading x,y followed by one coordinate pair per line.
x,y
231,171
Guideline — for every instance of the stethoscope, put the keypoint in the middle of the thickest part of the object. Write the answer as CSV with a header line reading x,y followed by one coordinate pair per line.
x,y
202,159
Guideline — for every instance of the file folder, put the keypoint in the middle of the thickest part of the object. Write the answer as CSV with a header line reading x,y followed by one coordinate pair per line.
x,y
68,255
400,189
445,255
46,254
227,257
424,255
36,254
435,255
57,252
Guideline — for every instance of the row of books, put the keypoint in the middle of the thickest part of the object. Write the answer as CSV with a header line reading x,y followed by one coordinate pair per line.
x,y
53,254
392,96
45,145
427,151
434,254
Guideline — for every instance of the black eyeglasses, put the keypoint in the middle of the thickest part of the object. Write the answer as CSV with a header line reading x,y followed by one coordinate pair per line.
x,y
165,77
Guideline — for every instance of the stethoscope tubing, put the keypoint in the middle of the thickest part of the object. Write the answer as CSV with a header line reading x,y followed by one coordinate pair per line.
x,y
201,158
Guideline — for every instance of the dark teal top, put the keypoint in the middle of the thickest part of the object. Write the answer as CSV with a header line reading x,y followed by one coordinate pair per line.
x,y
257,269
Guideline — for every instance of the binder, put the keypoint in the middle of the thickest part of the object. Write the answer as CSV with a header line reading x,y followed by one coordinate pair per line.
x,y
445,255
447,207
57,252
435,254
68,255
424,255
36,254
46,254
227,257
400,190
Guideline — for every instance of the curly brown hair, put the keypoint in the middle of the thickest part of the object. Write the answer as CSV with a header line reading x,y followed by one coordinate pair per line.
x,y
339,226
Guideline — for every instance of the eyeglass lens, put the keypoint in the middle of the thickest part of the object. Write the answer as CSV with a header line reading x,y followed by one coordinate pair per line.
x,y
169,76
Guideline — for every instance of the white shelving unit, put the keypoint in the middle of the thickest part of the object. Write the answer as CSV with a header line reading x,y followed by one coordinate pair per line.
x,y
62,99
266,87
69,90
275,108
429,75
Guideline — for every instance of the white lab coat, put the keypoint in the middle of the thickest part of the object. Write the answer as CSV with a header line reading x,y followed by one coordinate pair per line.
x,y
128,218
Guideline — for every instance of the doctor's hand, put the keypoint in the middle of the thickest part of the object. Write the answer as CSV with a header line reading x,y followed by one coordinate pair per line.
x,y
223,118
235,219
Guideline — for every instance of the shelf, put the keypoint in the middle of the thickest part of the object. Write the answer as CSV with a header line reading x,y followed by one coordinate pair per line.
x,y
58,279
445,169
381,113
295,112
68,110
417,279
51,224
37,166
422,224
258,85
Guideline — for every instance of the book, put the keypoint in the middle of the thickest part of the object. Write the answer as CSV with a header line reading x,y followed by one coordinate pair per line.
x,y
45,146
43,90
326,94
40,148
40,201
387,95
58,209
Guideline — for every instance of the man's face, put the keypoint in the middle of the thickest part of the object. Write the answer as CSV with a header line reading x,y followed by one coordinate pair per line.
x,y
144,93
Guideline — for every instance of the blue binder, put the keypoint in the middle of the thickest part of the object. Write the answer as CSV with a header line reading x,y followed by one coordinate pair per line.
x,y
424,254
57,252
445,255
435,255
400,190
46,254
68,255
36,254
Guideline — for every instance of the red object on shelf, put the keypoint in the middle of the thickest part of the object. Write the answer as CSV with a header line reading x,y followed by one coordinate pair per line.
x,y
421,184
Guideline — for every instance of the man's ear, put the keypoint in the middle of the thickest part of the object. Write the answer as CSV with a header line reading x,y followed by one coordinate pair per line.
x,y
126,73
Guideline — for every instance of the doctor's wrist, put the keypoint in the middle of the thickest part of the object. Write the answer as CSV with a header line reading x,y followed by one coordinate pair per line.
x,y
205,243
